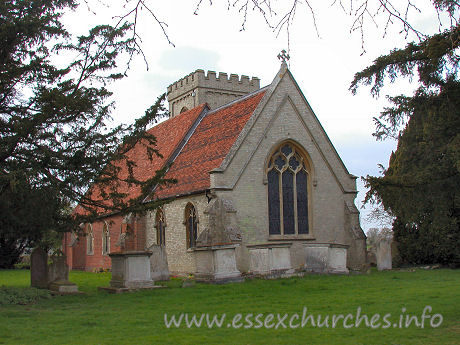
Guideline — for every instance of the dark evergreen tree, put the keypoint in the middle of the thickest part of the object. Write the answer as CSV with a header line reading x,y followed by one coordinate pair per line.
x,y
54,139
421,187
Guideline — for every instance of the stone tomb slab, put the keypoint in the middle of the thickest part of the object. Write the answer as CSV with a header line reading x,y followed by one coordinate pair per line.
x,y
338,259
326,258
259,261
217,264
270,260
131,270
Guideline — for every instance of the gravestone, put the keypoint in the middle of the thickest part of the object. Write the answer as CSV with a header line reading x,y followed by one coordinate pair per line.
x,y
158,263
222,224
39,269
58,276
58,269
383,254
214,253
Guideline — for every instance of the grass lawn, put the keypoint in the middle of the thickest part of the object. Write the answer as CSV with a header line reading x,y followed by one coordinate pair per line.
x,y
138,317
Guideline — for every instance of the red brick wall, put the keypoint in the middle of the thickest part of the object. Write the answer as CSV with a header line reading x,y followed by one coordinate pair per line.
x,y
140,233
77,257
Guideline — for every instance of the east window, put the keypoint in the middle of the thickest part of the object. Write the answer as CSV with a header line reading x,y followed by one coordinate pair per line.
x,y
288,181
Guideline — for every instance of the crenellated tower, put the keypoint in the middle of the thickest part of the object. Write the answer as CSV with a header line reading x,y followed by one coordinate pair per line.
x,y
198,87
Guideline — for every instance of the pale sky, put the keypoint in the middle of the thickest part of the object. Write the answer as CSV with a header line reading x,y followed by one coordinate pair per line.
x,y
323,66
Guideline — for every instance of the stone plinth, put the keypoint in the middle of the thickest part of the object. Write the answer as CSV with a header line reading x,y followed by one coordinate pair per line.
x,y
63,286
325,258
131,270
383,254
270,259
216,264
158,263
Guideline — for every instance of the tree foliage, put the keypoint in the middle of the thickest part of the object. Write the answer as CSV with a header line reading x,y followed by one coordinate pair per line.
x,y
54,136
421,186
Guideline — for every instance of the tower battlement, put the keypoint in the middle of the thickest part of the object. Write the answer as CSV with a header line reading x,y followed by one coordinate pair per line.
x,y
199,87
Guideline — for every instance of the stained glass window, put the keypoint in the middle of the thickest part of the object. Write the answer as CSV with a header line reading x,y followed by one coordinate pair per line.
x,y
287,179
302,202
274,202
191,223
89,240
105,239
160,226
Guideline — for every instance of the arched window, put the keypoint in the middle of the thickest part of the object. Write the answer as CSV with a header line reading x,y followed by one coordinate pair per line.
x,y
160,225
89,240
105,239
183,110
288,181
191,224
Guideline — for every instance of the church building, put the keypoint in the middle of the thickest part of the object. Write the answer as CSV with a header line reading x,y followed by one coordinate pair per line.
x,y
260,187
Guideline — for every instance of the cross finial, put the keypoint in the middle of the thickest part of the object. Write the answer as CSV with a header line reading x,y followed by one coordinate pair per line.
x,y
283,56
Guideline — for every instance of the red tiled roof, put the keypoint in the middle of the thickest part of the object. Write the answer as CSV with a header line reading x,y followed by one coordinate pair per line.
x,y
169,135
204,151
208,146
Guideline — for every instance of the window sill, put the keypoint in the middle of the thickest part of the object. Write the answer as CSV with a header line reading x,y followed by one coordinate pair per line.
x,y
304,237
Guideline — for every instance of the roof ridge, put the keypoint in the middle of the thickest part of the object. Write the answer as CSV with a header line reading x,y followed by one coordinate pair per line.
x,y
178,149
208,146
270,88
242,98
168,118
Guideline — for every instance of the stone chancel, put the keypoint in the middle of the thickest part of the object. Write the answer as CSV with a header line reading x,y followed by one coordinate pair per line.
x,y
260,188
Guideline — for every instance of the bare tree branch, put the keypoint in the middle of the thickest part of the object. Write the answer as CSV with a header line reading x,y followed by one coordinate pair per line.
x,y
362,12
132,16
